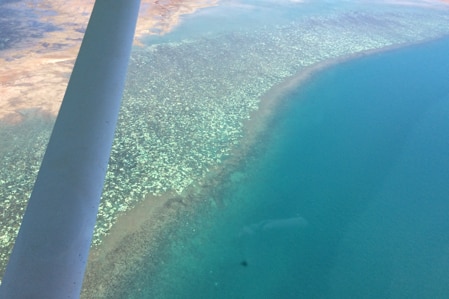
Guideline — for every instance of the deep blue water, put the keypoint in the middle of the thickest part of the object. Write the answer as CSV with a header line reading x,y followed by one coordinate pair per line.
x,y
347,198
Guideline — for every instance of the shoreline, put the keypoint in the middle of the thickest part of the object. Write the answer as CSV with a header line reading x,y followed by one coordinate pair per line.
x,y
140,233
153,218
35,71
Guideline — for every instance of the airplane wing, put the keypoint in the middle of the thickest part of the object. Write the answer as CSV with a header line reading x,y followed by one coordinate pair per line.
x,y
52,247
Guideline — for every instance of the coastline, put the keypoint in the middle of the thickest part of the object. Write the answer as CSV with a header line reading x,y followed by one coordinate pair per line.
x,y
140,234
35,72
137,227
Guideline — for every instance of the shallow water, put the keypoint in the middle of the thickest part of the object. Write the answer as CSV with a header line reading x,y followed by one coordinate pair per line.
x,y
184,91
346,198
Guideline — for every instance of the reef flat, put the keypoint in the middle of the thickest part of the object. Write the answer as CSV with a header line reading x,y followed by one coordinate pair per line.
x,y
185,109
186,103
190,116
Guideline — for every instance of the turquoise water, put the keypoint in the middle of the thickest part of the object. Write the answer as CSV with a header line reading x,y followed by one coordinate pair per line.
x,y
347,195
247,16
